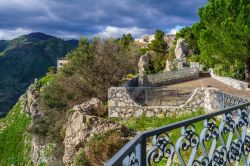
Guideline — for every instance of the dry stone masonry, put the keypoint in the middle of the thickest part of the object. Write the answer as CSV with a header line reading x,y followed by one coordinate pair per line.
x,y
172,77
121,104
240,85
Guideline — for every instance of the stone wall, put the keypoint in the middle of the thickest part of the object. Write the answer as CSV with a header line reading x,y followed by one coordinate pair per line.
x,y
122,104
172,77
240,85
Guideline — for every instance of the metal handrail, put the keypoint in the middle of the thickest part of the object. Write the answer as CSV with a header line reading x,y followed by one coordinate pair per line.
x,y
118,158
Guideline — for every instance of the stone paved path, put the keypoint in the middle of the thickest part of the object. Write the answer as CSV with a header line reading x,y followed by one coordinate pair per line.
x,y
210,82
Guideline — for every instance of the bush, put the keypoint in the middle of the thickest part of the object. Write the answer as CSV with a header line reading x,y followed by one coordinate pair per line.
x,y
102,147
158,63
194,58
93,68
80,159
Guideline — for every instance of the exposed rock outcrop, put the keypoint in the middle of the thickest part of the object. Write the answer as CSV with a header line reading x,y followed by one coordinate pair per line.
x,y
31,106
83,125
143,66
169,66
181,49
143,63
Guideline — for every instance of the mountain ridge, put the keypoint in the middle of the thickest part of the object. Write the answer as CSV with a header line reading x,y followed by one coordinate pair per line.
x,y
25,58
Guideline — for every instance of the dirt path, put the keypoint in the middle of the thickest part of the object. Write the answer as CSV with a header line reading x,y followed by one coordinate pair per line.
x,y
210,82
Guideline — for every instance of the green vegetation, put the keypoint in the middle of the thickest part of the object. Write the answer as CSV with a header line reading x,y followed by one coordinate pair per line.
x,y
25,58
144,123
194,58
80,159
103,147
160,49
126,40
15,142
93,67
224,39
190,36
100,148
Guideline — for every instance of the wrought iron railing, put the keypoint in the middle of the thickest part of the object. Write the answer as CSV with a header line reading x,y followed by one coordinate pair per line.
x,y
219,138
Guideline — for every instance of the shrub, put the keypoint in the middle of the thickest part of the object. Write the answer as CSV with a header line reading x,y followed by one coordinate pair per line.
x,y
102,147
92,69
80,159
194,58
158,63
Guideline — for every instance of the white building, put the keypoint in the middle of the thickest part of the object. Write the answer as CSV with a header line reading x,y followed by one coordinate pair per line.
x,y
61,62
147,39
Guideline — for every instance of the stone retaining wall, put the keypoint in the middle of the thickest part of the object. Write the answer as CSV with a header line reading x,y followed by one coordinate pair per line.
x,y
172,77
240,85
122,104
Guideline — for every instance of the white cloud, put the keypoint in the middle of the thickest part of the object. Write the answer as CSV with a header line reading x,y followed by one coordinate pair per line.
x,y
67,35
175,29
8,34
111,31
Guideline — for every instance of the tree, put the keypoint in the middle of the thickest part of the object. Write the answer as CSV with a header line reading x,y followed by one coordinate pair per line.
x,y
158,45
190,34
93,67
126,40
160,48
225,38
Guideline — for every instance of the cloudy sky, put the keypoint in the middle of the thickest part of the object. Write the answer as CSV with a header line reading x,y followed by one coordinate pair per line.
x,y
105,18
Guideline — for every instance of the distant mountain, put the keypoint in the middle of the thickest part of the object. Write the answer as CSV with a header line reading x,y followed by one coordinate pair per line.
x,y
25,58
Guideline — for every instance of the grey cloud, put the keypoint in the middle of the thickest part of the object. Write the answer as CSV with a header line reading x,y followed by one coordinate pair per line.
x,y
91,17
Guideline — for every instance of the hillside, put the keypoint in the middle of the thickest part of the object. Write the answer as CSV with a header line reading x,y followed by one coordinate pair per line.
x,y
25,58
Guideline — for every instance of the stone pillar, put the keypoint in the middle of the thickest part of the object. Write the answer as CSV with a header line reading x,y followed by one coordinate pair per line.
x,y
211,102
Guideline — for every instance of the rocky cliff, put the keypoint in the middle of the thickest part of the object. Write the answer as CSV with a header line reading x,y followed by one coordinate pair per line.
x,y
84,124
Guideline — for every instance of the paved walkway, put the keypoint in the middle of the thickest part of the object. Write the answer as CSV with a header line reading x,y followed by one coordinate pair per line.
x,y
210,82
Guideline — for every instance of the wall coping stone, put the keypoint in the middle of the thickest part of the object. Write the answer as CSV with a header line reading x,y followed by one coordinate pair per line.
x,y
237,84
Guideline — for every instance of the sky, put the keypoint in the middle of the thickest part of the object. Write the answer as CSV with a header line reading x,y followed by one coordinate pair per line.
x,y
70,19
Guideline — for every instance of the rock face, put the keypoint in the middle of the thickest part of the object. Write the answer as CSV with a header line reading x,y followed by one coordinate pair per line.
x,y
30,106
169,66
143,63
83,125
181,49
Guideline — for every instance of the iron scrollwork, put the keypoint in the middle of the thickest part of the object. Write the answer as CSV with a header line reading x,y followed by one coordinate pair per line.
x,y
223,140
162,148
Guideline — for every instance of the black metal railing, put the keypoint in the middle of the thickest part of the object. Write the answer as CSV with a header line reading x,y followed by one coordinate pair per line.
x,y
219,138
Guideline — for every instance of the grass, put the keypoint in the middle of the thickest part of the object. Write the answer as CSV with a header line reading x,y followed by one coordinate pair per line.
x,y
44,80
145,123
15,143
